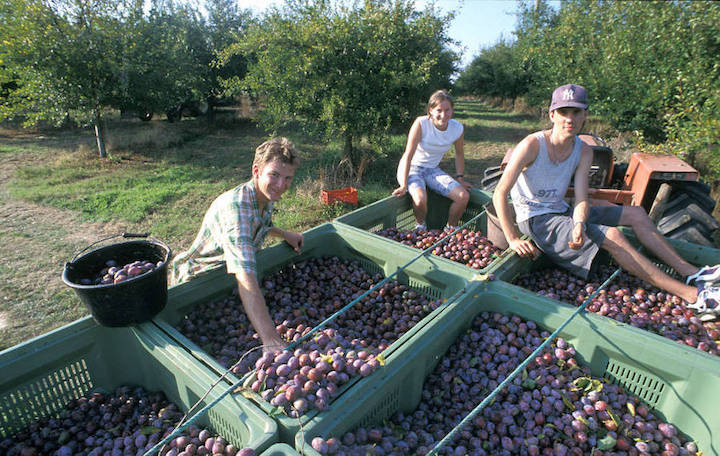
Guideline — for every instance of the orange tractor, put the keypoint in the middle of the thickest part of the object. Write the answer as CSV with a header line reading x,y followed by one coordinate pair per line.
x,y
669,189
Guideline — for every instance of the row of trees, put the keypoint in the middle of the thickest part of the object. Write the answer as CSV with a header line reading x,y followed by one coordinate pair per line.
x,y
650,67
351,69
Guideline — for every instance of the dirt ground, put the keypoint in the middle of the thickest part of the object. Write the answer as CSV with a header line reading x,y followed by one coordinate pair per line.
x,y
50,237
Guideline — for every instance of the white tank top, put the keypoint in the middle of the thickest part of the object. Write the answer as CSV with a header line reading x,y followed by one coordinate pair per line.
x,y
435,143
541,188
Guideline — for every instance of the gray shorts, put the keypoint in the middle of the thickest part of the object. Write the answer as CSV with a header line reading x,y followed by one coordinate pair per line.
x,y
552,232
435,178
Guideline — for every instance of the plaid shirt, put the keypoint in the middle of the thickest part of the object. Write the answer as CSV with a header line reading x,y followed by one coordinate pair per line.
x,y
232,230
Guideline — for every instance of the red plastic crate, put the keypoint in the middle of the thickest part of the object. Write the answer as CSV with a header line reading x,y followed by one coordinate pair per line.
x,y
344,195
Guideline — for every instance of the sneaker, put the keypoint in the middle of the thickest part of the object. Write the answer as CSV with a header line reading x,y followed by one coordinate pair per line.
x,y
705,274
707,304
420,227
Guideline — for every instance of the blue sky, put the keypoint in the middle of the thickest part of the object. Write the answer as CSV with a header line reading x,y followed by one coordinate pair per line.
x,y
478,23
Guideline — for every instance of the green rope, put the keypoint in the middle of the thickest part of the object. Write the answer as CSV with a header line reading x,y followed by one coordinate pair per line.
x,y
518,370
236,385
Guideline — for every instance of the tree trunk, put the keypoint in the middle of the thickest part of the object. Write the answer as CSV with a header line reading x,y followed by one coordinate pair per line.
x,y
99,135
350,152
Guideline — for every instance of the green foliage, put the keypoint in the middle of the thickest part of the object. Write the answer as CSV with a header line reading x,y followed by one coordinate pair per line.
x,y
349,71
62,60
494,73
650,67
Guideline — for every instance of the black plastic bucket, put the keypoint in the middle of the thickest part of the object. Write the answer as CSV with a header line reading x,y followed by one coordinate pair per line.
x,y
133,301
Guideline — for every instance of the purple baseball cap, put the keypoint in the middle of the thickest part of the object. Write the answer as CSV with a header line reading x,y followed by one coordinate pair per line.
x,y
569,95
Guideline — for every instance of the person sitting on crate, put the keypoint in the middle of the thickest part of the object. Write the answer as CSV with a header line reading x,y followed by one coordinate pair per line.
x,y
430,137
537,177
234,228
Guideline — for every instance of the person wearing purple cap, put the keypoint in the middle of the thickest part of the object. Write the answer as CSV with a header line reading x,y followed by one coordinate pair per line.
x,y
537,177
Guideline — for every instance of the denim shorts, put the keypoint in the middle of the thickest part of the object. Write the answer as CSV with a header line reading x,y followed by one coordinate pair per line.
x,y
552,232
434,178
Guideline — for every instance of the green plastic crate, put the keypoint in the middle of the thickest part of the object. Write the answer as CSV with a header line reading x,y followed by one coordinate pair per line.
x,y
40,376
280,449
680,386
393,211
428,275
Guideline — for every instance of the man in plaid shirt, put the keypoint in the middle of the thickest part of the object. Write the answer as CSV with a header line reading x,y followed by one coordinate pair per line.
x,y
235,227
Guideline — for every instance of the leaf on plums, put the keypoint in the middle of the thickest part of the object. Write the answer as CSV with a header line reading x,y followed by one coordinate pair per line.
x,y
147,430
581,383
606,443
250,379
568,402
631,408
529,384
557,429
524,374
614,417
245,393
276,411
380,359
327,358
638,439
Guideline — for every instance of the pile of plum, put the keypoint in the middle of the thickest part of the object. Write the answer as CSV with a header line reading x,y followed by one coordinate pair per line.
x,y
629,300
113,273
129,421
299,297
468,247
555,407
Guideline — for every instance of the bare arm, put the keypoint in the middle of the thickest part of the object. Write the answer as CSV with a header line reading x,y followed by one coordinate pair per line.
x,y
257,311
460,160
294,239
523,156
582,207
413,140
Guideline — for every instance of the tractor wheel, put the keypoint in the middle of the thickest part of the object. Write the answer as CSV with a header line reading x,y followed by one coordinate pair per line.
x,y
688,214
146,116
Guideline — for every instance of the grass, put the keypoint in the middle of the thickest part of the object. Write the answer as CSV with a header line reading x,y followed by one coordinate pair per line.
x,y
57,197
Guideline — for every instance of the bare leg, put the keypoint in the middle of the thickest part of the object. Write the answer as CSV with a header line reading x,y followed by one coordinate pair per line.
x,y
648,235
639,265
419,202
460,198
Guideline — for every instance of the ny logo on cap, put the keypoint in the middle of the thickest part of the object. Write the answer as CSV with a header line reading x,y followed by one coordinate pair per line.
x,y
568,94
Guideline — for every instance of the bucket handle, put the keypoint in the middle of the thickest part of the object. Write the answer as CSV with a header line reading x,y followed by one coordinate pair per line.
x,y
124,234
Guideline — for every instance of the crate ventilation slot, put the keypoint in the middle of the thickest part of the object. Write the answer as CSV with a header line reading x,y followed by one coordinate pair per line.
x,y
44,397
370,267
405,220
424,288
647,387
386,408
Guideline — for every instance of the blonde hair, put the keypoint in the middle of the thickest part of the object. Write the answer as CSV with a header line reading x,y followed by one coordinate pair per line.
x,y
438,97
281,149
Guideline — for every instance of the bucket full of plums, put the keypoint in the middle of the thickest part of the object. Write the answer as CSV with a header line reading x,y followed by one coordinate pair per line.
x,y
122,284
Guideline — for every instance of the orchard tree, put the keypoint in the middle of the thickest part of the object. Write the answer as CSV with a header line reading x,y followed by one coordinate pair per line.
x,y
348,70
63,58
166,59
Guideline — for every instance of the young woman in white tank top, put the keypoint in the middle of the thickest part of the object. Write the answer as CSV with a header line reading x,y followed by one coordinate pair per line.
x,y
430,137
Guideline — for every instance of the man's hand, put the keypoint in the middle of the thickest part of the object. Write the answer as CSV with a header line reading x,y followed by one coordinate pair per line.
x,y
295,240
524,248
400,191
273,343
577,237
